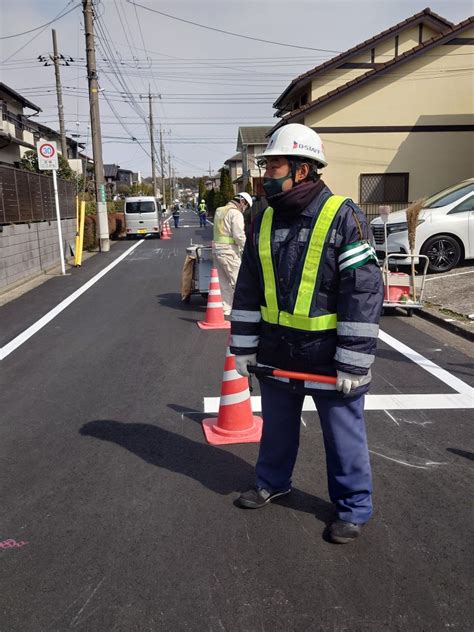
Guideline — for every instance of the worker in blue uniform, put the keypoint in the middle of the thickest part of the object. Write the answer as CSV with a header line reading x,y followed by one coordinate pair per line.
x,y
308,299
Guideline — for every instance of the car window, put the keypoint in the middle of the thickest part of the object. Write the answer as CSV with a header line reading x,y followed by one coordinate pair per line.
x,y
466,205
448,196
140,207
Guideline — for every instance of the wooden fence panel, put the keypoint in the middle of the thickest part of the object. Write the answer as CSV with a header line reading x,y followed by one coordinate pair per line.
x,y
26,196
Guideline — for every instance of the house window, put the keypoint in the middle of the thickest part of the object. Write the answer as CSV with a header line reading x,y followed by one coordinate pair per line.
x,y
372,55
420,33
304,99
383,188
396,45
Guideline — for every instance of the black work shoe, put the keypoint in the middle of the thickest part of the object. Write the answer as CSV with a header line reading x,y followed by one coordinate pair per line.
x,y
258,497
342,532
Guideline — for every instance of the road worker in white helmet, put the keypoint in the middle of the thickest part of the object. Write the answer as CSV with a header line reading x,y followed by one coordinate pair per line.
x,y
228,243
308,301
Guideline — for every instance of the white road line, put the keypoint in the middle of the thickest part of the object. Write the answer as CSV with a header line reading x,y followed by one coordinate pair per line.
x,y
448,276
423,401
462,399
443,375
33,329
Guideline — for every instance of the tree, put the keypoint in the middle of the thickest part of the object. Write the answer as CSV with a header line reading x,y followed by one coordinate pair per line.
x,y
226,188
202,189
141,188
124,189
209,196
30,162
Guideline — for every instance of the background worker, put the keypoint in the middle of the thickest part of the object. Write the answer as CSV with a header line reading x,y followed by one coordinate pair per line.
x,y
202,212
228,243
308,299
176,215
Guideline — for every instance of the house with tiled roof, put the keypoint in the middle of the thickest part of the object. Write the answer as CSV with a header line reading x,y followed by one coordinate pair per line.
x,y
395,113
234,164
251,141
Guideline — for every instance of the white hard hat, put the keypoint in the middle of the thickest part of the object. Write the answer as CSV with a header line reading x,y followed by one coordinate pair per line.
x,y
245,196
202,201
296,140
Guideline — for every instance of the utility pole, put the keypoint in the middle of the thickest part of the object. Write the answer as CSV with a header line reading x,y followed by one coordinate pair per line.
x,y
59,93
150,97
95,127
152,144
162,158
170,175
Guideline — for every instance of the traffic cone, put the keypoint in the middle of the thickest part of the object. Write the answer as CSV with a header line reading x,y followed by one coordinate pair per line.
x,y
214,318
165,234
235,422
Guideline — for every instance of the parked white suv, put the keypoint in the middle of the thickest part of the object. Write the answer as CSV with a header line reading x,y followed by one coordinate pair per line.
x,y
445,232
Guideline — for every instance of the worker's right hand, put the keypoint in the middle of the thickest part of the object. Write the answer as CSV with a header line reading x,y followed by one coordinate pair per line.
x,y
241,362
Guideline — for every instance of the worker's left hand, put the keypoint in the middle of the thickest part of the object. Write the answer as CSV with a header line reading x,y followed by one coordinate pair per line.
x,y
347,382
241,362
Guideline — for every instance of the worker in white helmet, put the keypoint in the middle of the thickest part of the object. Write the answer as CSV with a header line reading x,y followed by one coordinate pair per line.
x,y
308,300
228,244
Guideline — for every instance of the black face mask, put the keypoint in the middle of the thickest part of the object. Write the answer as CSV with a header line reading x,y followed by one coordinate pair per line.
x,y
273,186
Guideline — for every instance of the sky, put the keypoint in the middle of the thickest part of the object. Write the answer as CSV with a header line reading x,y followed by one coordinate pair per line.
x,y
205,83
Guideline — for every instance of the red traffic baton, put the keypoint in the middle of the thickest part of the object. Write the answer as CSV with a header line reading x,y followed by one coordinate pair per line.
x,y
292,375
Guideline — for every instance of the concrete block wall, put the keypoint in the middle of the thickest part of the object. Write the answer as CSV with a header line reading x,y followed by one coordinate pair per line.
x,y
27,250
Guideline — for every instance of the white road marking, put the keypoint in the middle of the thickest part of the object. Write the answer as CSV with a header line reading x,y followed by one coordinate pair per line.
x,y
39,324
438,277
423,401
443,375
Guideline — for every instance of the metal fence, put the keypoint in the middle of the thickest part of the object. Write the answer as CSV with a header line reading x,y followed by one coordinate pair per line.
x,y
26,196
372,210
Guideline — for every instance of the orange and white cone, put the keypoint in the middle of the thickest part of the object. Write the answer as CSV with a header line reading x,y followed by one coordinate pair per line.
x,y
214,318
235,421
165,234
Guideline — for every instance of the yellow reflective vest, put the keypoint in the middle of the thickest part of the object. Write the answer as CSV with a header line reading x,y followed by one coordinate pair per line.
x,y
221,236
299,318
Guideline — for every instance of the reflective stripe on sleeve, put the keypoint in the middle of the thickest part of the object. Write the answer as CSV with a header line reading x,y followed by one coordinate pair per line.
x,y
245,316
367,330
352,251
356,262
346,356
281,234
246,342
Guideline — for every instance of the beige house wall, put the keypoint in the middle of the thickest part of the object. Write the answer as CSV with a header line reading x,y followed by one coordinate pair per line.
x,y
384,51
433,89
415,153
436,83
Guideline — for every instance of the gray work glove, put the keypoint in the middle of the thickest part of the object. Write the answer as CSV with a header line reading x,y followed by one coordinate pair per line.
x,y
241,362
347,382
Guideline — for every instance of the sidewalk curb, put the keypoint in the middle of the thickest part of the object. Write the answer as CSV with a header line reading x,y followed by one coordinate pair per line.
x,y
455,327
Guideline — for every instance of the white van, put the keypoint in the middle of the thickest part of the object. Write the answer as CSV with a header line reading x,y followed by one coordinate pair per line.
x,y
143,216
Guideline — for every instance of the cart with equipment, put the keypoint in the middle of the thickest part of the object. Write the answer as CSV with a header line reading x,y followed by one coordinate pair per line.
x,y
196,273
401,289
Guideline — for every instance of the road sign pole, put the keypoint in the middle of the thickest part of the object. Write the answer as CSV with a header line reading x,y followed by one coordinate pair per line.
x,y
58,218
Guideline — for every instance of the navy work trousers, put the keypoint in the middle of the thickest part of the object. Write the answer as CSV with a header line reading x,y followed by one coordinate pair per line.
x,y
202,219
345,442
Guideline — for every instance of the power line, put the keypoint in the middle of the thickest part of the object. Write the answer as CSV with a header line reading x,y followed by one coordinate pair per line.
x,y
211,28
37,28
58,16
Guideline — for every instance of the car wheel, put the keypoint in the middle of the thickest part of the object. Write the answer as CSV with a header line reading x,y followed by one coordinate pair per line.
x,y
443,252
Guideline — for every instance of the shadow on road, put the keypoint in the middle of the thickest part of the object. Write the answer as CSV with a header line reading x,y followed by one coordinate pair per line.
x,y
216,469
464,453
173,300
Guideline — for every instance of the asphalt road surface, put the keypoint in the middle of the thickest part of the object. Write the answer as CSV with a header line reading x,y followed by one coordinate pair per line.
x,y
117,515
